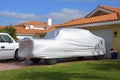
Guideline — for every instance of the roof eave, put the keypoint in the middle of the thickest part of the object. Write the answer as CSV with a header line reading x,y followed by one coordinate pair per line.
x,y
94,24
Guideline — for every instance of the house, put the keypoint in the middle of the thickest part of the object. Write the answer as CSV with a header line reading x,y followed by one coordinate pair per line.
x,y
104,21
1,27
34,29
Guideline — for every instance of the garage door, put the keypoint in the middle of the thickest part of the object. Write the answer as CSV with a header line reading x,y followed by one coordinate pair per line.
x,y
107,35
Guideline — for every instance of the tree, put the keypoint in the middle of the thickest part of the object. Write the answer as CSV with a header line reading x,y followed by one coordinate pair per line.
x,y
11,31
1,30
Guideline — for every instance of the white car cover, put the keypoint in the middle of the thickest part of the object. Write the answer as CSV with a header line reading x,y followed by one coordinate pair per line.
x,y
62,43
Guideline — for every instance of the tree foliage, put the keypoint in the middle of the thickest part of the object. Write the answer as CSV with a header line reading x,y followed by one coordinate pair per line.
x,y
10,30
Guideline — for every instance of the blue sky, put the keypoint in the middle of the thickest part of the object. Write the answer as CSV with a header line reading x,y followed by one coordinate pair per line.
x,y
18,11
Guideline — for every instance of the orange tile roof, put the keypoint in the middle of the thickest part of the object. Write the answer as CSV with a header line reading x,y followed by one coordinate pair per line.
x,y
21,30
96,19
36,23
41,24
1,27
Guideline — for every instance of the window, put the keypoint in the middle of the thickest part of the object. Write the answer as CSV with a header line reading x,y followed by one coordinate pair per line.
x,y
52,34
5,38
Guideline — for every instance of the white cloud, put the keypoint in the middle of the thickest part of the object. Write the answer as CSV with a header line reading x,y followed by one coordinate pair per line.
x,y
18,15
58,17
66,14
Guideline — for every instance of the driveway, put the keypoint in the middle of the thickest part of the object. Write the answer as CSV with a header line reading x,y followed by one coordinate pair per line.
x,y
12,64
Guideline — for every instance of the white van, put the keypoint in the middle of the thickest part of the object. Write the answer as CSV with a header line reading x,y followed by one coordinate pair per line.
x,y
63,43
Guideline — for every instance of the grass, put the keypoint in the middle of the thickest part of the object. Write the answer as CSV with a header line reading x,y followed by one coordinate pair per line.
x,y
82,70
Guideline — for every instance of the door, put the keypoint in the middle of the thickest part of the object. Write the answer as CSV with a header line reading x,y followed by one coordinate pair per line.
x,y
6,47
107,35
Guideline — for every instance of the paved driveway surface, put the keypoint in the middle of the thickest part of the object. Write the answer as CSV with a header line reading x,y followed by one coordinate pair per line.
x,y
12,64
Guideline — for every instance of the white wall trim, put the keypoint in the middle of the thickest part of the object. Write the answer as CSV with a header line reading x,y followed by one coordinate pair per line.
x,y
101,9
18,34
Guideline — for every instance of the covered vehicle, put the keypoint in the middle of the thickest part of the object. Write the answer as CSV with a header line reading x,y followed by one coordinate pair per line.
x,y
62,43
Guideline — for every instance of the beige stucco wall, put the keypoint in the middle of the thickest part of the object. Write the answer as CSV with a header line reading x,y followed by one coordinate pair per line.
x,y
116,38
